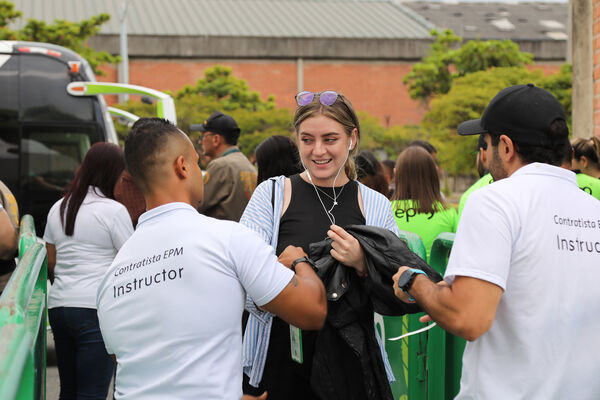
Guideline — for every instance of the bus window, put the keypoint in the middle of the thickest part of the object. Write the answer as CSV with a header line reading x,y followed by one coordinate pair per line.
x,y
50,156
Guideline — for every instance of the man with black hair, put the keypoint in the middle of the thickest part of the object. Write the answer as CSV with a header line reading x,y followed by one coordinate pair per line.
x,y
230,178
485,178
522,279
170,305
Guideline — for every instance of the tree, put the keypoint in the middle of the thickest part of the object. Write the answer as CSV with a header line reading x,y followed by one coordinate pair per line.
x,y
72,35
232,93
468,98
447,61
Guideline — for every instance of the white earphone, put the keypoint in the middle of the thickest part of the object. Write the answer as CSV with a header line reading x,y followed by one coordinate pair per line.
x,y
350,145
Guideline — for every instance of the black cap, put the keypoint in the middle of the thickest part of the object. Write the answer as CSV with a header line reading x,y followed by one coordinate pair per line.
x,y
222,124
524,113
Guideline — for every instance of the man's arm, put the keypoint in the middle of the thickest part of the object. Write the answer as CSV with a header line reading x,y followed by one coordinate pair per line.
x,y
8,236
467,308
302,302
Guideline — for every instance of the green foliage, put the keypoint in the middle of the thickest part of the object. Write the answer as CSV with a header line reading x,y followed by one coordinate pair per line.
x,y
72,35
232,93
560,85
433,75
8,14
477,55
446,62
468,98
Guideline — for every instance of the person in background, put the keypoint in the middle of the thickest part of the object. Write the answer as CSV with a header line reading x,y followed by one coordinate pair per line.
x,y
417,203
303,209
429,148
370,172
128,194
277,155
230,178
521,283
388,171
587,183
586,156
482,168
9,234
84,231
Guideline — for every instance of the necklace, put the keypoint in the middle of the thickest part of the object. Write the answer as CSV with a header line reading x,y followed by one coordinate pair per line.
x,y
335,203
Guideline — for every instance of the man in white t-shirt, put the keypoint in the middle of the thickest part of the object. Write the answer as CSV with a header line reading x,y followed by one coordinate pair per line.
x,y
521,282
170,306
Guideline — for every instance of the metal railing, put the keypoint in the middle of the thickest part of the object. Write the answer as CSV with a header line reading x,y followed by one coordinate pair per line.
x,y
23,321
427,365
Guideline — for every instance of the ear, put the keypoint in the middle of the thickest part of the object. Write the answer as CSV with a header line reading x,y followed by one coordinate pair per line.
x,y
483,155
181,167
506,148
354,138
584,161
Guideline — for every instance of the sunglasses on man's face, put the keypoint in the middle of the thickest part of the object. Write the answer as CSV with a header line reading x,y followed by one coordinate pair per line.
x,y
326,98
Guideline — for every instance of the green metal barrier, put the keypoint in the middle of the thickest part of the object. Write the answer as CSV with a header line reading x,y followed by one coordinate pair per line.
x,y
444,351
407,356
427,366
23,322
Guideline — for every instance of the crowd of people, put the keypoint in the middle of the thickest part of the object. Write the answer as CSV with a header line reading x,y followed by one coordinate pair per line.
x,y
153,261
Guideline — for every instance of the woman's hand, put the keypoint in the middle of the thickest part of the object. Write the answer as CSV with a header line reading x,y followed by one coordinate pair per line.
x,y
346,249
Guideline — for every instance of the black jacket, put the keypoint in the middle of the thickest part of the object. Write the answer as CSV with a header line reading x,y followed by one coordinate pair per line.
x,y
347,362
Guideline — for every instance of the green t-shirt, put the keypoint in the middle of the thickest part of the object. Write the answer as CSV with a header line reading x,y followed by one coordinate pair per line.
x,y
589,184
483,181
427,226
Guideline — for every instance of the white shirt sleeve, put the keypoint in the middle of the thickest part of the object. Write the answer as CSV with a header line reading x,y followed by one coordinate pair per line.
x,y
483,244
122,228
50,222
258,270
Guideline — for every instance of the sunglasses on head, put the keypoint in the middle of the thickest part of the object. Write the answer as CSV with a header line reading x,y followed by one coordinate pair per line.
x,y
326,98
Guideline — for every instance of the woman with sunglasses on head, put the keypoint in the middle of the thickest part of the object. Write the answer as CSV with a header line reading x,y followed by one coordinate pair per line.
x,y
84,232
303,209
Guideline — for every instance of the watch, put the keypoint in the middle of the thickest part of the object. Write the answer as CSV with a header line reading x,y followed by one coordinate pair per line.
x,y
406,279
306,260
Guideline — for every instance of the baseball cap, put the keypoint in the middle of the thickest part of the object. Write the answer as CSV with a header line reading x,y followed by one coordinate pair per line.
x,y
222,124
524,113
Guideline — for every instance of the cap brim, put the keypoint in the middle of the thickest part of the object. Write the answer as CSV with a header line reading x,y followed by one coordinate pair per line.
x,y
472,127
198,128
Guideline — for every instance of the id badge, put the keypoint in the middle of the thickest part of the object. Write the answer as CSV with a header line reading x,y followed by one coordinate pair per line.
x,y
296,344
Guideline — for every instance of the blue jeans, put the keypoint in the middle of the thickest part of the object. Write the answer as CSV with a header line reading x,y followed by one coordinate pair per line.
x,y
84,366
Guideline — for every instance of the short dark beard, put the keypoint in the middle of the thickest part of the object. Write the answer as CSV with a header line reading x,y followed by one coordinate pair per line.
x,y
495,165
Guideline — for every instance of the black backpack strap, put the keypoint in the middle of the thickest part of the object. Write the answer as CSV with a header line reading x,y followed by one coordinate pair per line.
x,y
273,195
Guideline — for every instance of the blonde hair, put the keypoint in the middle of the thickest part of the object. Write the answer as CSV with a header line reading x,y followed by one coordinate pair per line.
x,y
340,111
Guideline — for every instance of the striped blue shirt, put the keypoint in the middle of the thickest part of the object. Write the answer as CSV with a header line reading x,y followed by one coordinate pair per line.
x,y
264,219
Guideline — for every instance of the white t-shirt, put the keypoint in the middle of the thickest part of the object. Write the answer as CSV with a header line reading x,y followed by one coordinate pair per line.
x,y
170,306
102,226
537,236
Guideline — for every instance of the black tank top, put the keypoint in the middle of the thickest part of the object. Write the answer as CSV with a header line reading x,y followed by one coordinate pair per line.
x,y
305,220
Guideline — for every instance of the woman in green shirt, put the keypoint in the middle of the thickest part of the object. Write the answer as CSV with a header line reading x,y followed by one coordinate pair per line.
x,y
417,203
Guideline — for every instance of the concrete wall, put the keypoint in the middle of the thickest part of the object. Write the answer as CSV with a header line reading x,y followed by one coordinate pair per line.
x,y
596,66
292,48
582,57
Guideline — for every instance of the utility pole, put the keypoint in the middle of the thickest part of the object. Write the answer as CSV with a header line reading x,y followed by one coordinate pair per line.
x,y
124,70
